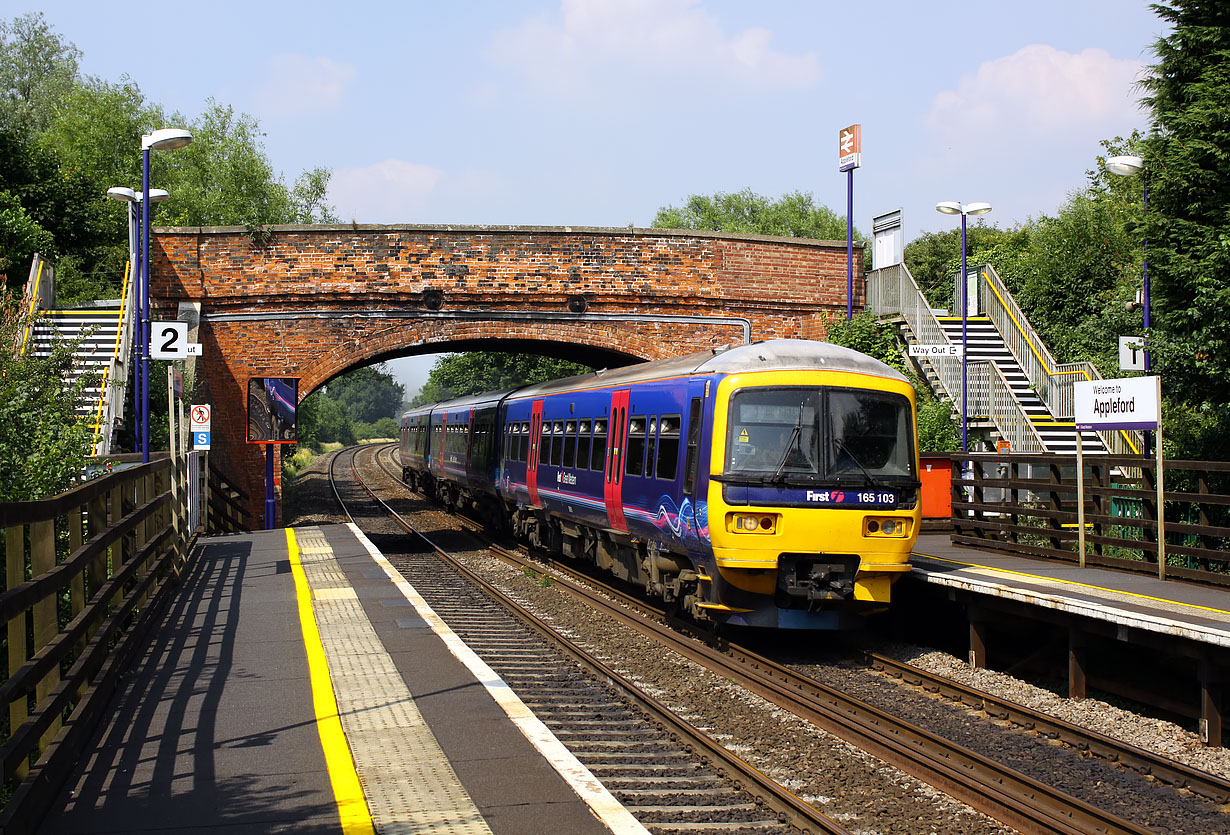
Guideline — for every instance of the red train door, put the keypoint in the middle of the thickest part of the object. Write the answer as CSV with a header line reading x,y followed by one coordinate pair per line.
x,y
531,464
614,472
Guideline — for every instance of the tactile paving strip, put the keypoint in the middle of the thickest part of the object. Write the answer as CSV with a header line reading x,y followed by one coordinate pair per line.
x,y
409,784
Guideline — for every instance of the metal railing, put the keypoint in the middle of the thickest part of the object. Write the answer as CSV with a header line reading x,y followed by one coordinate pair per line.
x,y
991,396
892,291
1052,381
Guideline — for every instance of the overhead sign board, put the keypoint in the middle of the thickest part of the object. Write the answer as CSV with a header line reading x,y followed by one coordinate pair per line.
x,y
1127,403
850,147
937,350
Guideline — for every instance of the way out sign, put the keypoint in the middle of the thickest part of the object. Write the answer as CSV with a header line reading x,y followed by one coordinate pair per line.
x,y
1128,403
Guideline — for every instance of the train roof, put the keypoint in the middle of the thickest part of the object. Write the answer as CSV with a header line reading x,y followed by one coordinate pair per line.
x,y
769,355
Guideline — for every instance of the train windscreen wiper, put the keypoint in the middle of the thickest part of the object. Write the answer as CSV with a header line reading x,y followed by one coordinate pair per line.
x,y
796,436
842,445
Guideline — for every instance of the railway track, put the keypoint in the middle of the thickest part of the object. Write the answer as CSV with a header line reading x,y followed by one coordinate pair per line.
x,y
671,775
1007,795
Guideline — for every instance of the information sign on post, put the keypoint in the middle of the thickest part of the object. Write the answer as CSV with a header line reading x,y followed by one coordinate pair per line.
x,y
1126,403
168,340
850,148
200,419
950,350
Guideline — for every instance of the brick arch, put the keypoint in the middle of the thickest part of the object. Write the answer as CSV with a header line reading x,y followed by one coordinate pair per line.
x,y
313,301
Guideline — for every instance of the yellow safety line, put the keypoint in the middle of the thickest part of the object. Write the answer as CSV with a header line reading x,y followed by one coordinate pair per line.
x,y
1074,583
352,808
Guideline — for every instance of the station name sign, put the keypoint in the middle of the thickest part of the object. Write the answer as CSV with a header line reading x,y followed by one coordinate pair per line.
x,y
1129,403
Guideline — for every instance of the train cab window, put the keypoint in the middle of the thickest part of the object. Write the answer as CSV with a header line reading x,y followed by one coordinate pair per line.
x,y
570,444
691,468
597,455
557,443
634,458
582,444
668,447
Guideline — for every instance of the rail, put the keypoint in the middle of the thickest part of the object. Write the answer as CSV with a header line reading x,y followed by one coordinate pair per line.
x,y
991,396
1026,504
1051,380
115,376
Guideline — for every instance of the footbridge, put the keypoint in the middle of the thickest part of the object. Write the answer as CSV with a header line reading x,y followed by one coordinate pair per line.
x,y
314,301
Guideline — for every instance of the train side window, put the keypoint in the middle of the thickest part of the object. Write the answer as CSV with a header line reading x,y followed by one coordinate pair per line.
x,y
652,447
544,442
570,445
582,444
597,454
668,447
692,466
557,443
634,457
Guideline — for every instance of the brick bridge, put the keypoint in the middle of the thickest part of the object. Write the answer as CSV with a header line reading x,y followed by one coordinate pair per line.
x,y
314,301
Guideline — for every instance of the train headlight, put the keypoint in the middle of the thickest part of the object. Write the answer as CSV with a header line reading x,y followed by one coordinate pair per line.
x,y
761,523
886,526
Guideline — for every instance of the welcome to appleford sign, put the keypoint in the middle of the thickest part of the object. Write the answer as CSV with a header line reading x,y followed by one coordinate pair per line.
x,y
1128,403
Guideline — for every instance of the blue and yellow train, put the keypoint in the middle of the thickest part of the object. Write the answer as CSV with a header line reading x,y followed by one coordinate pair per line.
x,y
773,484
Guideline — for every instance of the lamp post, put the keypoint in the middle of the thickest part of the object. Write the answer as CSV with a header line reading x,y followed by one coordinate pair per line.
x,y
1129,165
165,139
951,207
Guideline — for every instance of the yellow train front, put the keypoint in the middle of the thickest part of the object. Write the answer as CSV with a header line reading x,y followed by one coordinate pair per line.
x,y
812,503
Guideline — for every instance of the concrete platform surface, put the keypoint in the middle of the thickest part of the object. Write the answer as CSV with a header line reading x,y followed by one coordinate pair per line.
x,y
222,725
1201,613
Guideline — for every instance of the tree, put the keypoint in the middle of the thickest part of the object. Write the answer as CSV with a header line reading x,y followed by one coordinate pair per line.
x,y
43,445
457,375
793,215
1187,166
367,394
38,68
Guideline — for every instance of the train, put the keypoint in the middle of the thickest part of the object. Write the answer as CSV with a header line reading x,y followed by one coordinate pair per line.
x,y
773,484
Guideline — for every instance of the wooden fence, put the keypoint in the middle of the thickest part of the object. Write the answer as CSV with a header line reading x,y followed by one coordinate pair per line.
x,y
86,573
1027,504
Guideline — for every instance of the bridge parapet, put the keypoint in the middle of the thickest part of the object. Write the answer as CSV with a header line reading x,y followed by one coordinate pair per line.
x,y
313,301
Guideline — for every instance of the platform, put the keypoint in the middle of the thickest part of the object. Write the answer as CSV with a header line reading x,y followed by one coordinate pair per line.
x,y
299,684
1139,601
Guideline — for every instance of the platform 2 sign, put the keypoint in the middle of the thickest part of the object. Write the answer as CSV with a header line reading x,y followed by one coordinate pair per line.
x,y
273,410
1128,403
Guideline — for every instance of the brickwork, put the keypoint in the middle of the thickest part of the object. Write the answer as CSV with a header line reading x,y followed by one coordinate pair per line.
x,y
313,301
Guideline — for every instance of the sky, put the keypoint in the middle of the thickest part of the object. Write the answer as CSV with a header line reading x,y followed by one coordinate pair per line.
x,y
600,112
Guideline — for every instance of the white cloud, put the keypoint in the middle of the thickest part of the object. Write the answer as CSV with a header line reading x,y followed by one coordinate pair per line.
x,y
1022,130
296,84
663,39
392,191
1041,92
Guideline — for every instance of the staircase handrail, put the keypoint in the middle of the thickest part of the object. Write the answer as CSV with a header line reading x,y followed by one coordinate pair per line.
x,y
32,297
111,388
892,290
1051,380
991,396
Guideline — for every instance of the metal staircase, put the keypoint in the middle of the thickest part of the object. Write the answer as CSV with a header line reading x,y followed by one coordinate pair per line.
x,y
103,353
1012,379
984,344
